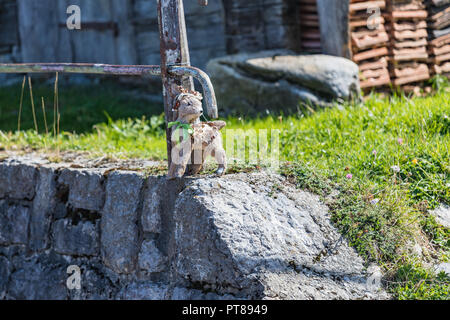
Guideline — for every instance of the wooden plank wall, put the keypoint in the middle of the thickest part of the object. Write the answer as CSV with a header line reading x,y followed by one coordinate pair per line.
x,y
205,29
47,17
261,25
136,40
310,27
9,37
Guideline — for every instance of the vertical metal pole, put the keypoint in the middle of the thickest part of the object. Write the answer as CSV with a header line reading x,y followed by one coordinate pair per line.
x,y
174,51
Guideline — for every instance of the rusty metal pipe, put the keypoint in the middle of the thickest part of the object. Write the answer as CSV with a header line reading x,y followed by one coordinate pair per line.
x,y
106,69
205,81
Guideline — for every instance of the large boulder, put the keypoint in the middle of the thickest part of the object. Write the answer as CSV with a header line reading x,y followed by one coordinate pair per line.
x,y
281,81
255,236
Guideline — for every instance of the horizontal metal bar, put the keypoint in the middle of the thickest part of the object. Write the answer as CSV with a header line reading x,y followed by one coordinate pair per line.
x,y
107,69
86,68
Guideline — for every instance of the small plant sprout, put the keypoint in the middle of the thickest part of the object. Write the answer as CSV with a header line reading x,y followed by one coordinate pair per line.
x,y
21,103
45,117
32,105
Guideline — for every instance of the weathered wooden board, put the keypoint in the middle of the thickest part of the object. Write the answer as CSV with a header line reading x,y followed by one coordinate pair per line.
x,y
334,20
9,35
90,44
39,32
262,24
137,39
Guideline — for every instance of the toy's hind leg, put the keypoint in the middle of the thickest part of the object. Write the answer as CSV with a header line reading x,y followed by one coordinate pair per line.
x,y
221,158
194,169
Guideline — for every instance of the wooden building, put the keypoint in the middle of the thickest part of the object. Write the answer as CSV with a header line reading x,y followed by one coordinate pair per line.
x,y
126,32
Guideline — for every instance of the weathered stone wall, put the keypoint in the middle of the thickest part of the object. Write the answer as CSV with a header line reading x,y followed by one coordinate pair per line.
x,y
138,237
110,225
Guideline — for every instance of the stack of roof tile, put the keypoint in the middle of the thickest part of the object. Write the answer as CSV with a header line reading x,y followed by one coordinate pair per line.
x,y
408,34
439,35
369,41
310,26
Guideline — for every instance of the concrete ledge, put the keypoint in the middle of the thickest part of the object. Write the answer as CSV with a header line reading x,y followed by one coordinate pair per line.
x,y
143,237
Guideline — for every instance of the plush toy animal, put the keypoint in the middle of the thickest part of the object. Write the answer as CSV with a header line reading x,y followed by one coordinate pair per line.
x,y
194,140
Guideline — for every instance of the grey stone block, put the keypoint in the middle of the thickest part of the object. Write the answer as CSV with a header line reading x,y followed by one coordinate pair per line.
x,y
151,260
79,240
85,188
4,180
119,221
14,220
5,271
17,181
143,291
39,278
181,293
151,208
442,215
443,267
95,281
60,211
43,207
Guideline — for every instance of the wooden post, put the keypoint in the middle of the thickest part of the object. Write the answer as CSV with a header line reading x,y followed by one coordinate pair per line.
x,y
174,51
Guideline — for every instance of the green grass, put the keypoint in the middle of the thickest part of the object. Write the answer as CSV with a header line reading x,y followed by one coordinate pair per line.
x,y
81,107
387,161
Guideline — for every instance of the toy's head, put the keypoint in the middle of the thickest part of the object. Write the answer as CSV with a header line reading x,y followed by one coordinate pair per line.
x,y
189,106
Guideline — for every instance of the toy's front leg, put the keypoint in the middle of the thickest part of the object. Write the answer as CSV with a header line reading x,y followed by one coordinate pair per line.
x,y
197,159
180,159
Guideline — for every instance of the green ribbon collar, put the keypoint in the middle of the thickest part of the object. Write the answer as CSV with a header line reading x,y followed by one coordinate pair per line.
x,y
186,127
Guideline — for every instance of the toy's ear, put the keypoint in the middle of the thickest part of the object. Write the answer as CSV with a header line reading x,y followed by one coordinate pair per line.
x,y
197,94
